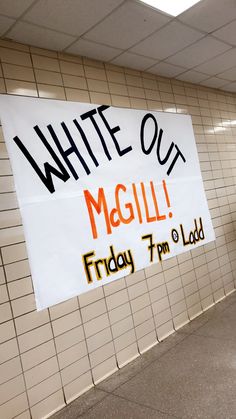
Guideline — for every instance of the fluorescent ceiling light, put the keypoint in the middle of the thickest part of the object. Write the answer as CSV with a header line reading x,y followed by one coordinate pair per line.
x,y
172,7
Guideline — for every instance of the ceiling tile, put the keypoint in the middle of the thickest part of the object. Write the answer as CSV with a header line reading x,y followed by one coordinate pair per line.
x,y
209,15
128,25
199,52
14,8
228,74
133,61
166,70
231,87
93,50
227,33
214,82
219,64
71,16
192,76
5,24
39,37
167,41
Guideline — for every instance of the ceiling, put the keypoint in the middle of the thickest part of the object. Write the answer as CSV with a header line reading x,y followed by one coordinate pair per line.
x,y
198,46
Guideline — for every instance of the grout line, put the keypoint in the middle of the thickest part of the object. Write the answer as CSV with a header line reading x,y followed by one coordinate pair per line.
x,y
93,26
15,329
86,343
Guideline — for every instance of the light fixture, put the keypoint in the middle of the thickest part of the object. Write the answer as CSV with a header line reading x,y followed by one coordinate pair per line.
x,y
171,7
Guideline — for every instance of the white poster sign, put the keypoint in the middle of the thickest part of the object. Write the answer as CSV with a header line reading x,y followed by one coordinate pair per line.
x,y
103,191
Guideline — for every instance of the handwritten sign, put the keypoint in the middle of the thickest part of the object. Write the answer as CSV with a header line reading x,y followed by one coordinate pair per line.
x,y
103,191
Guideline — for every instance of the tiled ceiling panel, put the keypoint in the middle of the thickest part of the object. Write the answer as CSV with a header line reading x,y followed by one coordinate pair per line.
x,y
14,8
5,24
166,70
128,59
128,25
219,64
230,87
192,76
73,17
93,50
198,46
167,41
228,74
199,52
214,82
227,33
209,15
39,37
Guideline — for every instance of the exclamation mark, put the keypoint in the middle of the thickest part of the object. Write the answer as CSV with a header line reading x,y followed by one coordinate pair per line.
x,y
167,197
